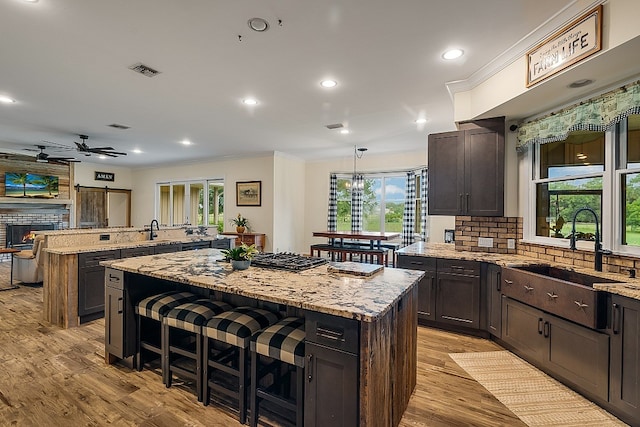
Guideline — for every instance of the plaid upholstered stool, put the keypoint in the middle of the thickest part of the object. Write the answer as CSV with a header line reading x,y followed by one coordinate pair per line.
x,y
282,341
183,337
226,342
151,311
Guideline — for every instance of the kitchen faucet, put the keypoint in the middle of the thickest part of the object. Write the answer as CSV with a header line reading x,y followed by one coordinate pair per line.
x,y
598,246
151,233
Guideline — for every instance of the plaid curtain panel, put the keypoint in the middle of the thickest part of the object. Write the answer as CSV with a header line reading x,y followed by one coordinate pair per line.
x,y
424,184
333,203
357,189
409,216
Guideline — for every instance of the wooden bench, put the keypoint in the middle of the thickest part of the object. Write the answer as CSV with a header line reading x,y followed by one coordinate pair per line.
x,y
347,250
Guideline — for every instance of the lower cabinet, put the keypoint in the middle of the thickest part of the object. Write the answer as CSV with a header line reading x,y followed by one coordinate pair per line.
x,y
133,252
119,315
165,249
494,300
577,355
331,386
624,393
458,293
189,246
91,291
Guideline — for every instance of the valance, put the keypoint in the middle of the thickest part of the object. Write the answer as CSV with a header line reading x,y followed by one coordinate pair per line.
x,y
597,114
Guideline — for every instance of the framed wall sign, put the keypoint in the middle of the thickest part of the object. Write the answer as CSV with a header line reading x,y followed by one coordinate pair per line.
x,y
105,176
573,43
249,193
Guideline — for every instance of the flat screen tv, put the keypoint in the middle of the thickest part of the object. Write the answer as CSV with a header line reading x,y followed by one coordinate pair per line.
x,y
30,185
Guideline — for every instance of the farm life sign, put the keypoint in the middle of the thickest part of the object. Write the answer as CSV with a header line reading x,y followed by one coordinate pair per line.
x,y
573,43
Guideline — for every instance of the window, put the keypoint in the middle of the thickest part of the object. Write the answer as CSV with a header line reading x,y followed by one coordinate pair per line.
x,y
629,178
567,177
383,203
183,203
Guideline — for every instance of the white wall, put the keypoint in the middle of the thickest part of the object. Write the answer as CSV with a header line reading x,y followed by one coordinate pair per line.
x,y
289,204
84,175
230,170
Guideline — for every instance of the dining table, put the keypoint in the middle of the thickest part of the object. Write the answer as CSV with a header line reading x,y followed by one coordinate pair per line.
x,y
372,236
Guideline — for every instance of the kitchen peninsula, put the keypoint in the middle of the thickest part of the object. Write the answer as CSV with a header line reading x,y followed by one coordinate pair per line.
x,y
375,317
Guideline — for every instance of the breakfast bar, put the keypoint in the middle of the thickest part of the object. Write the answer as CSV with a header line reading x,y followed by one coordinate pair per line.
x,y
375,307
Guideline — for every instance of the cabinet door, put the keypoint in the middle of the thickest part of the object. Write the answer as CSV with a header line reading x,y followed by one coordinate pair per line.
x,y
483,172
578,355
523,330
427,296
625,356
331,391
114,322
90,293
458,299
446,172
494,300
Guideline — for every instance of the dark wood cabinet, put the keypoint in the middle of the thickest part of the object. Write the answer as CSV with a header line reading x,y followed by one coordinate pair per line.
x,y
426,286
494,300
189,246
132,252
624,379
164,249
120,320
458,293
466,170
91,292
331,388
572,353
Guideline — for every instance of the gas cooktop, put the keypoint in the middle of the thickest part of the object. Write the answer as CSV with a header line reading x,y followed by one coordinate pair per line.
x,y
286,261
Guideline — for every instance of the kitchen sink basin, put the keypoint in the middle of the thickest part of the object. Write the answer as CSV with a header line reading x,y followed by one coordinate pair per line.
x,y
566,275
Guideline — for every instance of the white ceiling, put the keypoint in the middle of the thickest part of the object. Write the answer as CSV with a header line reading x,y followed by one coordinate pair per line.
x,y
65,62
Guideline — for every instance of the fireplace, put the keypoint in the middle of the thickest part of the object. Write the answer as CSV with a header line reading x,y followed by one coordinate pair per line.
x,y
20,236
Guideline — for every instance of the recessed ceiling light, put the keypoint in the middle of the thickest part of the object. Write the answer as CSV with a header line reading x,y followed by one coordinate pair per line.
x,y
421,121
258,24
31,1
580,83
137,151
250,101
6,100
185,142
328,83
453,54
102,157
345,131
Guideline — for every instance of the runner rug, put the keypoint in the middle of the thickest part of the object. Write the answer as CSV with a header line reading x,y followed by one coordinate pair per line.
x,y
536,398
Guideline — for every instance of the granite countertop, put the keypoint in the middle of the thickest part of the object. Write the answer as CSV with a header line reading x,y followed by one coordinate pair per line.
x,y
316,289
70,250
629,287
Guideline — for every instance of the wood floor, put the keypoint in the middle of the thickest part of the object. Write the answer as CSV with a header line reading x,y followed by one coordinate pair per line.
x,y
55,377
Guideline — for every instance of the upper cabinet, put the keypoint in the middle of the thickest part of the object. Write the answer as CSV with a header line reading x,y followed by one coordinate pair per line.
x,y
466,169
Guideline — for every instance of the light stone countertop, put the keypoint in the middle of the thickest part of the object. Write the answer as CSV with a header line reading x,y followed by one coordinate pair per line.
x,y
627,287
70,250
316,289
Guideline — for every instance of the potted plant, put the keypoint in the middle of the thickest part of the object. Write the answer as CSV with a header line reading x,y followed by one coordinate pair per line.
x,y
241,223
240,256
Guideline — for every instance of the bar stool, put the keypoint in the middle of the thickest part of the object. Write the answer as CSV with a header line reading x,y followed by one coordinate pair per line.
x,y
231,330
151,310
187,318
282,341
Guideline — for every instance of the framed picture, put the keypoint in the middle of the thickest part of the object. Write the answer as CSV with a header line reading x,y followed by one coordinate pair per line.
x,y
249,193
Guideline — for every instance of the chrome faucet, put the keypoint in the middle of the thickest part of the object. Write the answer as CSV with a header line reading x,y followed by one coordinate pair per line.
x,y
151,233
598,252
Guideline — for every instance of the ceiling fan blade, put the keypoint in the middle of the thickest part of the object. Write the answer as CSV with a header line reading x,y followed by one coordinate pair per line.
x,y
100,148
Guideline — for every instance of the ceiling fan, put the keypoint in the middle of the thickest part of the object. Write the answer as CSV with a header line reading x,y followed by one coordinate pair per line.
x,y
43,157
83,148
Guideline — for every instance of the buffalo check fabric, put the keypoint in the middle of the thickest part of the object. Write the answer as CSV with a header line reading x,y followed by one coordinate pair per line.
x,y
408,219
192,315
236,327
282,341
357,190
424,207
157,306
332,221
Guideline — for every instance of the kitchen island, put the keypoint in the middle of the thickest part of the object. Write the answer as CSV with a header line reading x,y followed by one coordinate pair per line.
x,y
374,316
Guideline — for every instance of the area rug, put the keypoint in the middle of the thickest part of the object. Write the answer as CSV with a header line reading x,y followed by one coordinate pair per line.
x,y
536,398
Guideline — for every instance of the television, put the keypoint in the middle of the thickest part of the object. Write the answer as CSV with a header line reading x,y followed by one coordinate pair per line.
x,y
30,185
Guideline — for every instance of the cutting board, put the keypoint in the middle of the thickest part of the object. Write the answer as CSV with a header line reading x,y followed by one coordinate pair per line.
x,y
354,268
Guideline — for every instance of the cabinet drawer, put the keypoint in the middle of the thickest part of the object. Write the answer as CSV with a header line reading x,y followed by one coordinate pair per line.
x,y
413,262
114,278
333,331
133,252
93,259
196,245
470,268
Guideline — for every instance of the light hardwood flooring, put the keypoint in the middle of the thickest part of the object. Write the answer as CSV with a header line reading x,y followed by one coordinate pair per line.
x,y
55,377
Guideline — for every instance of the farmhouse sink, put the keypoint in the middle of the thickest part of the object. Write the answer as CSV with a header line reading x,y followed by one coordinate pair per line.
x,y
564,274
559,291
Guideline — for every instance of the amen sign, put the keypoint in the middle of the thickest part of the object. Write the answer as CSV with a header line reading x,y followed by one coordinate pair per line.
x,y
105,176
573,43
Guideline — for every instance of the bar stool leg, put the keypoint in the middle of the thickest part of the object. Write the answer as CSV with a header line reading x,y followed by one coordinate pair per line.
x,y
299,396
253,403
242,385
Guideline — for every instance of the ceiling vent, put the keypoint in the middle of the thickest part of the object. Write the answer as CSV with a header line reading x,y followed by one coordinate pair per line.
x,y
335,126
144,70
117,126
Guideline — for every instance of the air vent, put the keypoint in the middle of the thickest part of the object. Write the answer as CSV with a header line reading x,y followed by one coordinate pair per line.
x,y
144,70
117,126
335,126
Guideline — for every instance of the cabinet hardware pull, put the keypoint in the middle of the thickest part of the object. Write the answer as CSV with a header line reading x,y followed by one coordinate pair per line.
x,y
616,318
528,289
120,306
546,329
461,205
114,278
499,282
309,367
552,295
581,305
329,334
540,325
467,208
508,282
415,263
457,267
